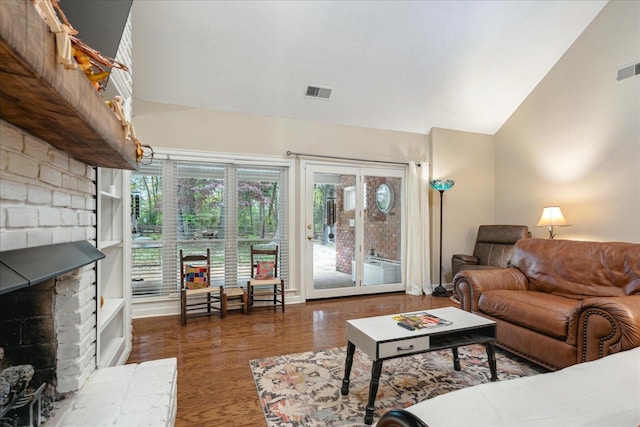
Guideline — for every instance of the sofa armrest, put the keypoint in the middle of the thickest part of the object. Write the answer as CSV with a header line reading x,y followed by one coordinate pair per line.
x,y
470,284
600,326
400,418
458,260
467,259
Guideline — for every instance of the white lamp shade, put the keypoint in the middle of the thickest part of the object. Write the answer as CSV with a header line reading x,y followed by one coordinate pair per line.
x,y
552,216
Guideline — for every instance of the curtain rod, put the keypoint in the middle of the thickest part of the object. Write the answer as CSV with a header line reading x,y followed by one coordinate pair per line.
x,y
292,153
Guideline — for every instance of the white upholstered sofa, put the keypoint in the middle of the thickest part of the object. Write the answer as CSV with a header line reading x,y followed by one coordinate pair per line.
x,y
604,392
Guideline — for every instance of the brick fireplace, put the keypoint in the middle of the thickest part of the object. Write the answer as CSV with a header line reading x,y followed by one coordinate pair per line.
x,y
54,128
47,198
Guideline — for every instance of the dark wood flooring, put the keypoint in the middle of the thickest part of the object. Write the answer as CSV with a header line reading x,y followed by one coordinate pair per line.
x,y
215,386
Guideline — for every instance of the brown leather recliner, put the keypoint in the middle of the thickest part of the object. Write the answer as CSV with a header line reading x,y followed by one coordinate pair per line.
x,y
493,248
563,302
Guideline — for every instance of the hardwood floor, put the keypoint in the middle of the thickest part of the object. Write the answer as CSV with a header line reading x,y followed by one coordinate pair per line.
x,y
215,386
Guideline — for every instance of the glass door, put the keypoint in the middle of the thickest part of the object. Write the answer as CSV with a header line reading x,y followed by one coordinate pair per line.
x,y
382,226
353,230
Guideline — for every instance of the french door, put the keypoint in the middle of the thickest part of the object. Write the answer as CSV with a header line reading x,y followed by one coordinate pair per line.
x,y
353,231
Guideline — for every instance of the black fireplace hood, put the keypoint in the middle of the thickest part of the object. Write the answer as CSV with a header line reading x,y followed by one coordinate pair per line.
x,y
20,268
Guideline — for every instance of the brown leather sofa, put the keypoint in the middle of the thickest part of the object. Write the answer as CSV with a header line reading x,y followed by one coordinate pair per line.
x,y
563,302
493,248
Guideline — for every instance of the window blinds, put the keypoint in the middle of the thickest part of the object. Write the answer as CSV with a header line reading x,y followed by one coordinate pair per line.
x,y
225,207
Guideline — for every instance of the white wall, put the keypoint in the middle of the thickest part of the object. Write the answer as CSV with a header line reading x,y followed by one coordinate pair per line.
x,y
467,158
217,131
575,141
240,133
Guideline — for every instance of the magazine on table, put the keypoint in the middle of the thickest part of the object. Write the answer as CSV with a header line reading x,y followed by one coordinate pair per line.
x,y
421,320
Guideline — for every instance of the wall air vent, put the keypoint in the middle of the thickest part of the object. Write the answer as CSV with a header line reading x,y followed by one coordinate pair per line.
x,y
318,92
628,71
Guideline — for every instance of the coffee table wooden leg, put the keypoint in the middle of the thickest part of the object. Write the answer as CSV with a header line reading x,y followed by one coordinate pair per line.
x,y
456,359
376,369
351,348
491,355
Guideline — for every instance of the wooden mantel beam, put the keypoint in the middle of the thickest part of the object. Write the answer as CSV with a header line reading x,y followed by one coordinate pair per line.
x,y
56,105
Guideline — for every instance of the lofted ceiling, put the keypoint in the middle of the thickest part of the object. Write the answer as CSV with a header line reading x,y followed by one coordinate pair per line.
x,y
396,65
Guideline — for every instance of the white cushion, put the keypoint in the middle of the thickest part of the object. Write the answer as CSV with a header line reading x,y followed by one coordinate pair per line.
x,y
604,392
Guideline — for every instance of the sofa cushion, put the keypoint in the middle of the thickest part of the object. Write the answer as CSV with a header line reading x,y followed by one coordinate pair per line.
x,y
544,313
579,269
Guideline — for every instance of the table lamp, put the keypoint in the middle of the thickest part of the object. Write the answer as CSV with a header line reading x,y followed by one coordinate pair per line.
x,y
552,217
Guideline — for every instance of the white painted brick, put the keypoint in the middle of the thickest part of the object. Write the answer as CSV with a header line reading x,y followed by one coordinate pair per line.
x,y
68,217
86,186
18,164
75,333
3,217
39,237
76,301
69,182
109,380
74,367
61,235
81,279
120,396
63,315
77,202
50,175
77,168
61,199
11,137
95,416
48,216
76,350
22,217
90,204
39,195
4,161
58,158
12,240
36,149
91,173
78,233
91,234
64,305
69,384
13,191
84,218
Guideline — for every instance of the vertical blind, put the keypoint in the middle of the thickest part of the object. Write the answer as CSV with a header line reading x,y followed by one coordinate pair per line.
x,y
223,207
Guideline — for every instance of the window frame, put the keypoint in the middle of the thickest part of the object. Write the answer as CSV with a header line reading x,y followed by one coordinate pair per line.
x,y
238,161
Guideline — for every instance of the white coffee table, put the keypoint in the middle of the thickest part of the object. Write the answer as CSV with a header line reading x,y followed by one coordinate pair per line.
x,y
381,338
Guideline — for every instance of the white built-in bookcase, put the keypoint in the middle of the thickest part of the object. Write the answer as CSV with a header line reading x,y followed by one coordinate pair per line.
x,y
114,272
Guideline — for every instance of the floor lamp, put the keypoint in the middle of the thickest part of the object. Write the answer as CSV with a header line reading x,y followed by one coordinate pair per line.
x,y
441,185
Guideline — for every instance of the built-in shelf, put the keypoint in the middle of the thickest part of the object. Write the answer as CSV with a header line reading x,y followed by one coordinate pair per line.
x,y
110,308
114,276
106,244
52,103
110,352
108,195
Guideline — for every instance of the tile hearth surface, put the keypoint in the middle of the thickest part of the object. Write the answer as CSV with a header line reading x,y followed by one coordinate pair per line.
x,y
139,395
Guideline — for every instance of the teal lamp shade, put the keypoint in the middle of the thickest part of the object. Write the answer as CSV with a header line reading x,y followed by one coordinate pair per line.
x,y
442,184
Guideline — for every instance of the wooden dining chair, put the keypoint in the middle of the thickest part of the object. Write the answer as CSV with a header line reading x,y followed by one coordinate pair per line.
x,y
265,285
195,285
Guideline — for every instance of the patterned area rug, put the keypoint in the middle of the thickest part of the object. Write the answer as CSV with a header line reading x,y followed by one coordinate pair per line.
x,y
303,389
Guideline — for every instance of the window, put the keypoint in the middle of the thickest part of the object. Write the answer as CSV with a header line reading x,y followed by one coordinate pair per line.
x,y
188,205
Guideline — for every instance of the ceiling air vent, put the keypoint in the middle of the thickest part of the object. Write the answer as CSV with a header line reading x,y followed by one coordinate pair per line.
x,y
318,92
628,71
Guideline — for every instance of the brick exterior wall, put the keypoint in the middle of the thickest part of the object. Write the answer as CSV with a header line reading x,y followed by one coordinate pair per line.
x,y
381,230
47,197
